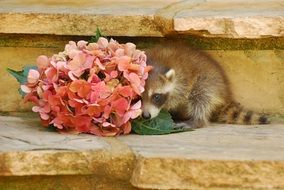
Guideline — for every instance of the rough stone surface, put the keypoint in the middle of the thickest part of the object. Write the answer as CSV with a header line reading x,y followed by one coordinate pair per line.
x,y
256,77
66,182
218,156
217,142
32,137
215,158
29,149
234,19
192,174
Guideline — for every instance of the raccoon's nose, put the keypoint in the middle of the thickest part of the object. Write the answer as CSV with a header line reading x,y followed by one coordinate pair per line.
x,y
146,115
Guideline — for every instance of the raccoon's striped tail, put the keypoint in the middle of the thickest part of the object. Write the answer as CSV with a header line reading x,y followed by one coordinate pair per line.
x,y
234,113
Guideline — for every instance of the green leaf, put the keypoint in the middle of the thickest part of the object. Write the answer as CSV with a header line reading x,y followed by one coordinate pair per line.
x,y
160,125
21,92
21,76
27,68
96,37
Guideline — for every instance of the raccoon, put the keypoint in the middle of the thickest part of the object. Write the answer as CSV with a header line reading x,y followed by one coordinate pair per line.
x,y
193,87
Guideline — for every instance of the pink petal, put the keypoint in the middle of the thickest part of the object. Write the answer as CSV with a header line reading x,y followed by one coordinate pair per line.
x,y
134,79
33,76
102,42
89,62
41,103
119,52
92,46
42,61
141,89
140,57
123,63
135,113
94,79
126,128
148,68
82,44
107,112
120,106
135,83
72,76
55,86
83,101
44,116
125,91
72,53
46,108
130,49
131,114
39,91
107,77
56,108
106,124
59,126
79,100
98,120
113,74
94,104
113,45
137,105
78,61
126,117
61,65
53,63
51,74
71,49
46,87
25,89
78,72
36,108
70,45
98,63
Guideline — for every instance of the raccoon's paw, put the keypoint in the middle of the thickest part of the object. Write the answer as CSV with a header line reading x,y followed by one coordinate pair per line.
x,y
184,125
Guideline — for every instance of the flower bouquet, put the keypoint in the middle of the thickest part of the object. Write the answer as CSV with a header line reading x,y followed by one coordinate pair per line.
x,y
91,88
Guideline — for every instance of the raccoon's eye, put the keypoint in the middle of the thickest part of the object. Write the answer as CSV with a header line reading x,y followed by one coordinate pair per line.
x,y
156,97
159,99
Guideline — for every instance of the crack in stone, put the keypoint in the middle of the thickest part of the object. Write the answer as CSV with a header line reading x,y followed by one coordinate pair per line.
x,y
12,138
164,17
174,8
43,149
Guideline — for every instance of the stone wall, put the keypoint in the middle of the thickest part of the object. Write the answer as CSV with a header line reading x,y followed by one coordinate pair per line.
x,y
255,67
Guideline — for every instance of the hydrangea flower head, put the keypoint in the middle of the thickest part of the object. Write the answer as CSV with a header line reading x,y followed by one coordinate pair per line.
x,y
89,87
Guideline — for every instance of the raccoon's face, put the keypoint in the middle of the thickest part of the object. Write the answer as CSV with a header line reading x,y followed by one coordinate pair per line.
x,y
157,91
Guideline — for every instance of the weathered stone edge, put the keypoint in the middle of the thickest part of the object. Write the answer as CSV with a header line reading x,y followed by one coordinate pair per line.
x,y
174,173
162,23
237,27
115,163
146,172
77,24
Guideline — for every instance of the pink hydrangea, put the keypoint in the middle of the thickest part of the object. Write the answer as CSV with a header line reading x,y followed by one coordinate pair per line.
x,y
89,87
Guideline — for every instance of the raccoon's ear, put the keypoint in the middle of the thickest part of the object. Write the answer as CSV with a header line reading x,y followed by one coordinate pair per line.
x,y
170,74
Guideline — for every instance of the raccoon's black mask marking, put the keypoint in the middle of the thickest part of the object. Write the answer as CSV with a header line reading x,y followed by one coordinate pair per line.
x,y
159,99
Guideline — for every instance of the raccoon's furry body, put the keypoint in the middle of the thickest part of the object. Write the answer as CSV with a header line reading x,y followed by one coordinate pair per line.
x,y
192,87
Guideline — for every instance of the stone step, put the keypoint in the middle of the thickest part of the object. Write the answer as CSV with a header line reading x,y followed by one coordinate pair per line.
x,y
233,19
218,157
